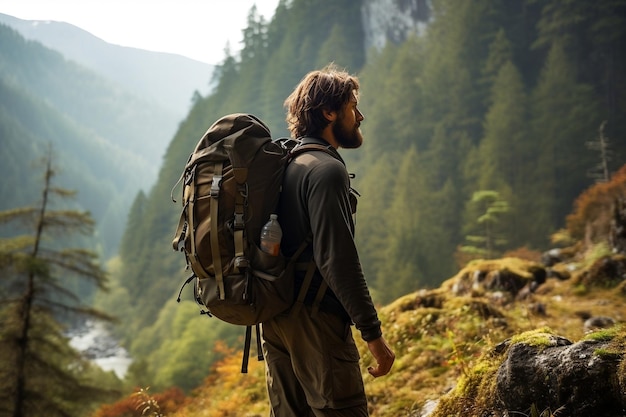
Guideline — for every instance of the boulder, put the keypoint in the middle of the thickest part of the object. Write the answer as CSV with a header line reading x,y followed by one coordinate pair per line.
x,y
578,379
506,276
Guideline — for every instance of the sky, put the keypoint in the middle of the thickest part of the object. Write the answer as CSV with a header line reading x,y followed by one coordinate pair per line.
x,y
197,29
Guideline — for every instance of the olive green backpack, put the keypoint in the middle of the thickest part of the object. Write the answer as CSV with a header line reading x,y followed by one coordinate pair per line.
x,y
231,184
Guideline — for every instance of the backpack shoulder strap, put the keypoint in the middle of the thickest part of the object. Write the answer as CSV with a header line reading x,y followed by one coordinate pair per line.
x,y
308,277
307,147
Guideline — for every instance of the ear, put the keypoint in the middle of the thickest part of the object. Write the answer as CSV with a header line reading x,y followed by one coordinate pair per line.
x,y
330,115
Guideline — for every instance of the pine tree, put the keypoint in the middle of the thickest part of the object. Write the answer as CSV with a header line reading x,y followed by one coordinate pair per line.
x,y
404,85
247,94
500,52
131,238
487,239
227,77
377,130
39,373
564,116
336,48
442,200
400,272
372,231
592,35
508,152
457,44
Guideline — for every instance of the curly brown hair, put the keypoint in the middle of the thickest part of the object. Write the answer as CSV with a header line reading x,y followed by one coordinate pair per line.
x,y
327,89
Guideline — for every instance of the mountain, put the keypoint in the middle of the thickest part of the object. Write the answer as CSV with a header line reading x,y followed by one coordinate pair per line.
x,y
168,79
107,141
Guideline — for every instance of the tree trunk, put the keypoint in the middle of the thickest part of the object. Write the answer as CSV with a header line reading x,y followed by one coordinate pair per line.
x,y
27,304
618,226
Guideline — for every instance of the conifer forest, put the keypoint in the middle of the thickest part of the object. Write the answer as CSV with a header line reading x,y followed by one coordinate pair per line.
x,y
481,134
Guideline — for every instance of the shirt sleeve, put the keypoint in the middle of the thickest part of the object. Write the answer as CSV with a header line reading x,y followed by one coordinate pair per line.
x,y
334,249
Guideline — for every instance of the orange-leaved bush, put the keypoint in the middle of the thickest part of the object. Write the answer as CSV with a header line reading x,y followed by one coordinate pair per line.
x,y
168,401
593,209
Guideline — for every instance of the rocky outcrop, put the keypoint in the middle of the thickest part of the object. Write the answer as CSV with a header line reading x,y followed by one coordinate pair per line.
x,y
580,380
539,372
503,279
393,21
606,272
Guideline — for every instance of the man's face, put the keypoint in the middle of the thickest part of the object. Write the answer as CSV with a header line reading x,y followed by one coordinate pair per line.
x,y
346,127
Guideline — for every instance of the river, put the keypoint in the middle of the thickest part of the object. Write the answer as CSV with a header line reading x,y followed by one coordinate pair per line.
x,y
97,344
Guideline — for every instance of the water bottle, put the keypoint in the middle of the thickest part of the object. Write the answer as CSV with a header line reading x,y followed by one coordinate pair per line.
x,y
271,234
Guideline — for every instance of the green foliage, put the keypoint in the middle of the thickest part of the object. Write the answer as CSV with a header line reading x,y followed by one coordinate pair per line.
x,y
500,53
38,369
562,109
401,221
184,357
491,208
339,48
506,152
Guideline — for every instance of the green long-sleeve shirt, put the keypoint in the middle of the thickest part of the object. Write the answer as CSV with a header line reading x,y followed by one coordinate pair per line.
x,y
316,199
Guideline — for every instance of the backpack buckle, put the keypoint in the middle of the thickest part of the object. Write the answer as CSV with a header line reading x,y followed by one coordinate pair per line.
x,y
241,262
238,222
216,185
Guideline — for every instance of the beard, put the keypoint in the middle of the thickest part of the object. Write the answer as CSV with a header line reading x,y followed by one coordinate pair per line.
x,y
348,137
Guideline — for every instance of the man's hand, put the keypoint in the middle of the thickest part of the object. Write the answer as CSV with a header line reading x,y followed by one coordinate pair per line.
x,y
383,355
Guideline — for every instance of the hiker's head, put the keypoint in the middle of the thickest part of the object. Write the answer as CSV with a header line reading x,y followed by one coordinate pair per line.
x,y
327,90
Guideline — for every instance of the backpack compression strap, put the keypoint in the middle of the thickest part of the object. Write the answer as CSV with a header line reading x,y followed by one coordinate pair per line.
x,y
191,212
308,277
239,224
215,244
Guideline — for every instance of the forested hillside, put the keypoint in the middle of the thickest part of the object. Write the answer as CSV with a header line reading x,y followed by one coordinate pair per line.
x,y
107,142
500,96
167,79
497,97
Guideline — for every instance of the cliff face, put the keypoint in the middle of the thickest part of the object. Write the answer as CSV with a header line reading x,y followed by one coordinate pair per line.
x,y
393,21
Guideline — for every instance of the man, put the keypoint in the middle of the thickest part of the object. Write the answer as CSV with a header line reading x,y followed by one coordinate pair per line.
x,y
312,363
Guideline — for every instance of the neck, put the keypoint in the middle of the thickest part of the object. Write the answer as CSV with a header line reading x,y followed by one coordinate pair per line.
x,y
328,136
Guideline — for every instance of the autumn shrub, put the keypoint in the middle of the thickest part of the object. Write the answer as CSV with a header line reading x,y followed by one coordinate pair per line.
x,y
168,401
593,209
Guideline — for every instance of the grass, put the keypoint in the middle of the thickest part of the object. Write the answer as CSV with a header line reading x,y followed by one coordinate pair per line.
x,y
449,345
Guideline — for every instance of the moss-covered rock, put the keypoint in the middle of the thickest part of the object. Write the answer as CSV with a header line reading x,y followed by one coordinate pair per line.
x,y
539,370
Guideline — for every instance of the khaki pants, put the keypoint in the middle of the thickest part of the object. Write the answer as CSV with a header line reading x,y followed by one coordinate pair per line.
x,y
312,367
